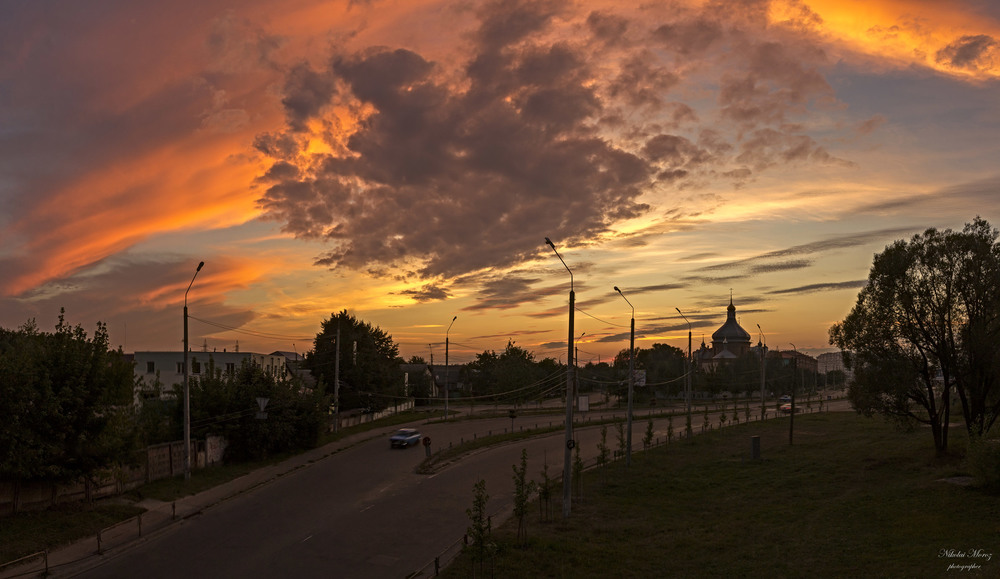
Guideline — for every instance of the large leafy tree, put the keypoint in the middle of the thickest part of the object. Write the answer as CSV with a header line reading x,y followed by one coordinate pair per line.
x,y
511,376
927,325
65,403
227,405
370,376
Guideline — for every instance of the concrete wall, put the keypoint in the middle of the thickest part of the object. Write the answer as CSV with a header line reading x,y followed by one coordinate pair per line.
x,y
156,462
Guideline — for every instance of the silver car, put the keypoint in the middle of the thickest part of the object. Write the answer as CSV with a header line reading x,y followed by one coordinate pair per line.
x,y
404,437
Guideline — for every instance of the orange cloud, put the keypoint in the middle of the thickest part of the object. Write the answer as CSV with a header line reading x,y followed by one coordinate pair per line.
x,y
947,37
114,207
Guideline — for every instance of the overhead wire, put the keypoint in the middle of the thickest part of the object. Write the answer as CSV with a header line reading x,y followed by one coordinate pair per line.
x,y
249,332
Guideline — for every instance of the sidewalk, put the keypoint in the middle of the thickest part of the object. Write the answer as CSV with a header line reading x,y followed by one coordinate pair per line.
x,y
160,516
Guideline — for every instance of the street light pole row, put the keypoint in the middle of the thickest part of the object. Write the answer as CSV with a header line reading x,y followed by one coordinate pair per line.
x,y
447,371
687,377
631,382
570,364
187,390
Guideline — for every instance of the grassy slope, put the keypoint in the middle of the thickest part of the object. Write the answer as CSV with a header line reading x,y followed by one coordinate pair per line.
x,y
853,497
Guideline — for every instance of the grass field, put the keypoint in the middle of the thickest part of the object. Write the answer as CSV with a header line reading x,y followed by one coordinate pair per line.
x,y
853,497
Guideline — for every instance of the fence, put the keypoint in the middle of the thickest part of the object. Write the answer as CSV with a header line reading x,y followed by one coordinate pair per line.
x,y
154,463
348,421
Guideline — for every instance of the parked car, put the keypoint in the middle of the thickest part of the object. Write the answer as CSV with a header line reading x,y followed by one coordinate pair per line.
x,y
787,408
404,437
785,398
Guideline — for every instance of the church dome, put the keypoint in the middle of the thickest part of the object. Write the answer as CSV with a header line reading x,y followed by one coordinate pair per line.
x,y
731,333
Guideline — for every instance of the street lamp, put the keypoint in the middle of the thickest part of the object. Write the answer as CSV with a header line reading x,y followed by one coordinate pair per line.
x,y
763,368
687,381
570,443
446,371
631,382
795,370
187,391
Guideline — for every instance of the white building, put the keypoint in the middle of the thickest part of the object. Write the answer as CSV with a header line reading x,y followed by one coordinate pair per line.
x,y
168,367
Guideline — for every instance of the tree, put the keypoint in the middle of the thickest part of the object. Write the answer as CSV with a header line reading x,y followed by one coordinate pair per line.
x,y
508,376
480,528
66,408
523,489
370,377
927,325
227,405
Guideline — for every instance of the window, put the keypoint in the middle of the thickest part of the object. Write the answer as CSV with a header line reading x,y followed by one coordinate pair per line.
x,y
195,367
180,367
230,368
150,368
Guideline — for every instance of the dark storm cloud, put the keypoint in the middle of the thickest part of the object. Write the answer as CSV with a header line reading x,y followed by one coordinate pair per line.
x,y
608,28
784,259
427,293
821,287
689,38
830,244
976,53
982,196
510,291
458,169
780,266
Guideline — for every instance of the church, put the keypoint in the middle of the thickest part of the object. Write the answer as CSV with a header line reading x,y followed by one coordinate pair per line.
x,y
728,342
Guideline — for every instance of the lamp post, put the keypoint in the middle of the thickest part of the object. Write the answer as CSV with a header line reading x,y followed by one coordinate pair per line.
x,y
447,372
687,381
187,390
795,370
763,368
631,382
570,363
336,381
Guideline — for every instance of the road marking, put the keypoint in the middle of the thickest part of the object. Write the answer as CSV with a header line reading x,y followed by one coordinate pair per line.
x,y
366,508
306,539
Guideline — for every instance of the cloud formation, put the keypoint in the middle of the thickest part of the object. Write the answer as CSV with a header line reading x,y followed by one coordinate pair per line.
x,y
558,123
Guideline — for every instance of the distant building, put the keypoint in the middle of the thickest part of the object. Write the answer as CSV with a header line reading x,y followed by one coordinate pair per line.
x,y
802,361
452,375
414,373
167,368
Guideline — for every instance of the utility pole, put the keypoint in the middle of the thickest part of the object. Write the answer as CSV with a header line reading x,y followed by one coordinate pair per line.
x,y
570,365
187,390
336,382
447,372
687,376
763,367
795,371
631,381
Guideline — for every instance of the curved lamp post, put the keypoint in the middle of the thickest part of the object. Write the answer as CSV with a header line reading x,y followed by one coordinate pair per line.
x,y
795,371
763,370
447,373
570,363
187,391
687,380
631,382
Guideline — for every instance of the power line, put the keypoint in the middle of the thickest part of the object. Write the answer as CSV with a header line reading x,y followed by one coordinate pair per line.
x,y
250,332
602,321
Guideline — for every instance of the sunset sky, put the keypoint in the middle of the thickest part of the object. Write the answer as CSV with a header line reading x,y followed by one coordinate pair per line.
x,y
405,160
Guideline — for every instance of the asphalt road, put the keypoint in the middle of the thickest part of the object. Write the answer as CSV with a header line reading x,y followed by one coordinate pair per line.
x,y
359,513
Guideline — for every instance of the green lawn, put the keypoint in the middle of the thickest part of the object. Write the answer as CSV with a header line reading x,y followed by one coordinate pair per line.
x,y
852,498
